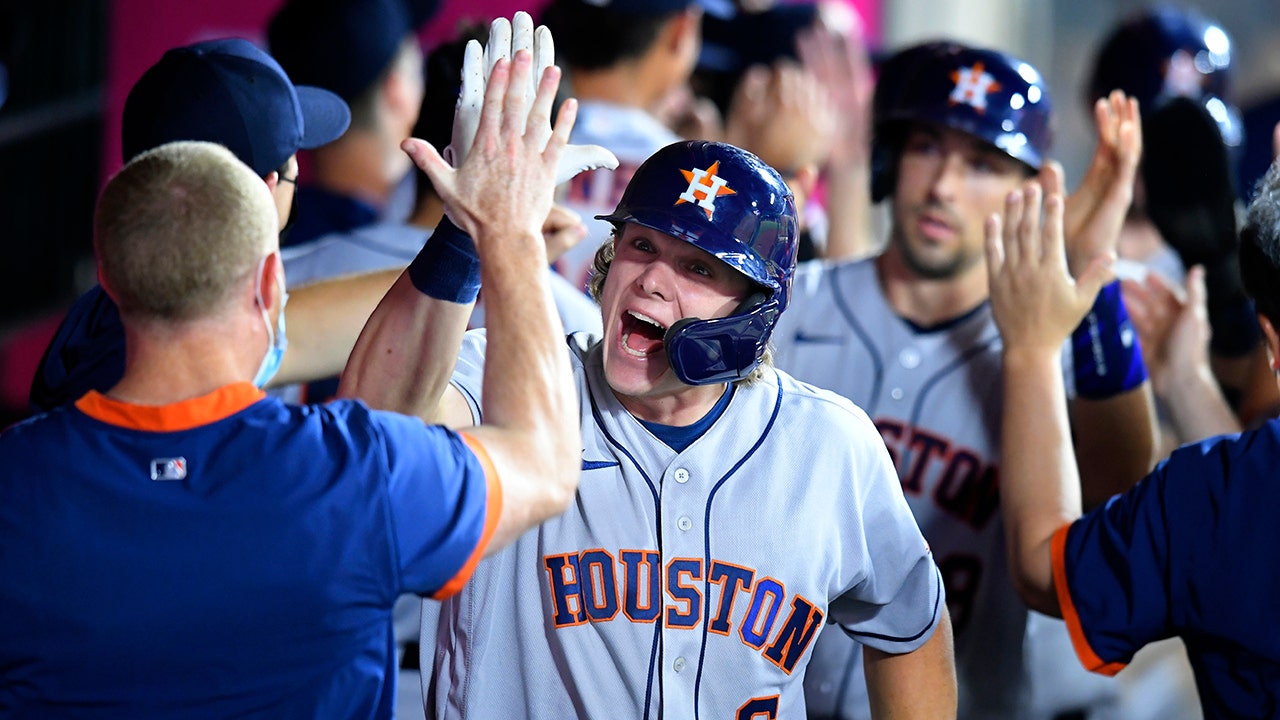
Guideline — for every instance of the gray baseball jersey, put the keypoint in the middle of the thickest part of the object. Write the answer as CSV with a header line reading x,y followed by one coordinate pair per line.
x,y
936,396
689,584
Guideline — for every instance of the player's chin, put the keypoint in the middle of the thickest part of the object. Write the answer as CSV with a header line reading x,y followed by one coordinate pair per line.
x,y
633,375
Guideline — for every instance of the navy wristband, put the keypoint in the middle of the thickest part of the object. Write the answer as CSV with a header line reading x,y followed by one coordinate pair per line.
x,y
1105,349
447,267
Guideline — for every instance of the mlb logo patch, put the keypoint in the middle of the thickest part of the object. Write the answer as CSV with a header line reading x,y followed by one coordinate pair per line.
x,y
168,468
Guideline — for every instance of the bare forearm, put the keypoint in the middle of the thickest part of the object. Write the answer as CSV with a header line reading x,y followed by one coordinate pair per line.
x,y
325,319
849,211
1040,489
529,395
407,352
1197,408
919,684
1115,442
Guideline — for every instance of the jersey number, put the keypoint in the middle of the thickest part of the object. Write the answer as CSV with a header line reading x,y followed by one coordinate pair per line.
x,y
761,708
960,576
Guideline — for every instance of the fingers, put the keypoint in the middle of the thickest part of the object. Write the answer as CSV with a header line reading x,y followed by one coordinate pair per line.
x,y
466,116
1197,296
515,108
994,244
491,115
1013,211
522,39
430,162
1029,236
564,125
1097,273
1051,178
539,123
499,45
544,51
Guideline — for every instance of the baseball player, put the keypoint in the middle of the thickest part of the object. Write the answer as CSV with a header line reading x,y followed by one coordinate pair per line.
x,y
678,586
908,336
1187,552
698,566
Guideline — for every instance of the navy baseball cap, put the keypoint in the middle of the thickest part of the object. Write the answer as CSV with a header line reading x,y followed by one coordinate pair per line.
x,y
717,8
342,45
734,44
232,93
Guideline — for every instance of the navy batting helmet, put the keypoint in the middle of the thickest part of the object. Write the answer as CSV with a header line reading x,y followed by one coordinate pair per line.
x,y
1168,52
729,203
985,93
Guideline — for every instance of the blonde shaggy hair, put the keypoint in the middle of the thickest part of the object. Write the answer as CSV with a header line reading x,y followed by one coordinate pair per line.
x,y
179,228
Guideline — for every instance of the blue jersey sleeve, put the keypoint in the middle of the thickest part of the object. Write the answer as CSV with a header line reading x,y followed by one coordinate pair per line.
x,y
1111,574
1126,573
445,500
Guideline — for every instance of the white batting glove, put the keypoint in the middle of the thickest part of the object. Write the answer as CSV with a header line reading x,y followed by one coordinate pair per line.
x,y
505,39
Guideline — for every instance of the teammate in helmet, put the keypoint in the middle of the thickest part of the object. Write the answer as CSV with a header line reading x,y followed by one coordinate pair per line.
x,y
697,462
751,228
696,566
908,336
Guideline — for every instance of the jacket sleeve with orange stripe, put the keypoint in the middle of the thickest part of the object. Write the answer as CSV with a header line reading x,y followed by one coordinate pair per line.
x,y
1169,557
444,503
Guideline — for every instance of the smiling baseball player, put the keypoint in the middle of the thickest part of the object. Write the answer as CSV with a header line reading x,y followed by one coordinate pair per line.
x,y
698,565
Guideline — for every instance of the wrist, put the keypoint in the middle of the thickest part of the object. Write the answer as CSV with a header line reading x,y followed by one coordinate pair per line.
x,y
448,266
1106,356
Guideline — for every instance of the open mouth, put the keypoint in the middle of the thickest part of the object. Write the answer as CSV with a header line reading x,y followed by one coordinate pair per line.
x,y
641,335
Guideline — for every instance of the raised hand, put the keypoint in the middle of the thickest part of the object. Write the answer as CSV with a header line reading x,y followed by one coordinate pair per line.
x,y
1173,326
506,38
783,115
504,181
1095,212
839,63
1035,301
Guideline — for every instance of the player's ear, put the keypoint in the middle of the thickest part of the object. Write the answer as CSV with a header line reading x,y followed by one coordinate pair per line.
x,y
1273,341
683,30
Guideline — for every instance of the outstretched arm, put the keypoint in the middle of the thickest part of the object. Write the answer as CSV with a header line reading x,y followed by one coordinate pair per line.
x,y
1036,305
500,194
325,318
1115,430
1174,327
839,62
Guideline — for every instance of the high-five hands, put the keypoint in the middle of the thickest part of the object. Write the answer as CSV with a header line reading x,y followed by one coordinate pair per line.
x,y
506,38
503,178
1095,212
1034,299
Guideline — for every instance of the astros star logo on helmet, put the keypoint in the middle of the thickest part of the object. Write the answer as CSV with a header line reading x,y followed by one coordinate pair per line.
x,y
972,85
704,187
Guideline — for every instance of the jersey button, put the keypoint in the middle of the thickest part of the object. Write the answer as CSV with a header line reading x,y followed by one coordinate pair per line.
x,y
684,523
682,475
896,393
910,358
678,665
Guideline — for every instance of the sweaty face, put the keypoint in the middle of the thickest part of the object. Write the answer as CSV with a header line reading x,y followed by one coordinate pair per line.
x,y
948,183
656,279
